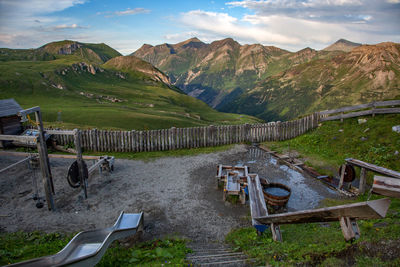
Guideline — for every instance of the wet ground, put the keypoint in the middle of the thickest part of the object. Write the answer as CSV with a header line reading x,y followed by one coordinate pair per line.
x,y
177,195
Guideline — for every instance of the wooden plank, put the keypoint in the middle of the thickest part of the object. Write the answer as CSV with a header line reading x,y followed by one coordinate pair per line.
x,y
362,106
18,138
363,181
59,132
374,209
373,167
386,186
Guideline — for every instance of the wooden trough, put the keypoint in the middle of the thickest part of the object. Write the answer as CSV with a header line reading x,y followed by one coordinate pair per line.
x,y
346,214
233,179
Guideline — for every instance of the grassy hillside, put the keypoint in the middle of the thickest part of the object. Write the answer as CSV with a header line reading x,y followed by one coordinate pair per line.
x,y
92,95
322,244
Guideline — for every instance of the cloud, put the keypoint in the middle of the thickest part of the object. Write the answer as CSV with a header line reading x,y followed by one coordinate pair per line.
x,y
282,30
128,11
71,26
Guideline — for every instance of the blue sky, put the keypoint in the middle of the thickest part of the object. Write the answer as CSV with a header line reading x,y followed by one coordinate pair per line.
x,y
126,25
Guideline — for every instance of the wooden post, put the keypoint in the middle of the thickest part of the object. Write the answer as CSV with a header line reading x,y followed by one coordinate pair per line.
x,y
44,163
363,181
349,228
79,159
342,176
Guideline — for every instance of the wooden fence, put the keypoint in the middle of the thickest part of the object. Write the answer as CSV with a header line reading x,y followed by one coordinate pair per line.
x,y
178,138
364,109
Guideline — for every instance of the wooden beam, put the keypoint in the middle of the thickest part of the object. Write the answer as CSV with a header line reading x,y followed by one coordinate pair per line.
x,y
44,162
58,156
96,165
374,209
19,138
386,186
77,139
60,132
28,111
374,168
363,181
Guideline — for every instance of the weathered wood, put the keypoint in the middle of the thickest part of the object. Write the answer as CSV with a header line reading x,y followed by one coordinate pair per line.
x,y
362,113
349,228
44,162
373,167
363,181
96,165
59,132
19,138
79,159
341,181
374,209
386,186
362,106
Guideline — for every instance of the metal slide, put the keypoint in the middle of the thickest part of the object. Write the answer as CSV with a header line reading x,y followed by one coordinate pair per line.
x,y
88,247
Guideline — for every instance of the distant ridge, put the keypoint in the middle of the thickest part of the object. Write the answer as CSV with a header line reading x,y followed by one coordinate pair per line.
x,y
342,45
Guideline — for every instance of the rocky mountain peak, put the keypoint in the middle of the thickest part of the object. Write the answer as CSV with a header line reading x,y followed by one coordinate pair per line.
x,y
342,45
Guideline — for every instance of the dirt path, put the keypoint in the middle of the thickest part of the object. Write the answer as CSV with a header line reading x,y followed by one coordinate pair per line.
x,y
177,195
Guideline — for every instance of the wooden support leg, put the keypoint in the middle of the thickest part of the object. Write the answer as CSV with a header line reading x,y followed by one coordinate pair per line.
x,y
276,232
45,163
350,228
242,197
77,140
342,176
363,181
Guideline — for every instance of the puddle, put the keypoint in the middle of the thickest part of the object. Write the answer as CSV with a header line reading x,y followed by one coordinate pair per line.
x,y
307,192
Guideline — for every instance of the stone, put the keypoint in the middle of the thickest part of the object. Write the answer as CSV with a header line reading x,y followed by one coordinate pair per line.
x,y
396,128
361,121
366,130
341,130
364,138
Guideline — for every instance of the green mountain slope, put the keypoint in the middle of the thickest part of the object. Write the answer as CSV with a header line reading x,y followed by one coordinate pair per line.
x,y
275,84
367,73
123,93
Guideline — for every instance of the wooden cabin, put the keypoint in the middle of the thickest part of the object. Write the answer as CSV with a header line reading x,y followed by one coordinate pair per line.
x,y
10,122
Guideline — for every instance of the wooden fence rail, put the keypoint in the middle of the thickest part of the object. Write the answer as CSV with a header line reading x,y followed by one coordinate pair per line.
x,y
366,109
194,137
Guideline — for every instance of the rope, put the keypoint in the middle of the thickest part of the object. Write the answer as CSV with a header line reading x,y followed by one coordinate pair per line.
x,y
31,121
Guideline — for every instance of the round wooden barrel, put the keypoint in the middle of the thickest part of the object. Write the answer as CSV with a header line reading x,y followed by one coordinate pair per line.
x,y
276,194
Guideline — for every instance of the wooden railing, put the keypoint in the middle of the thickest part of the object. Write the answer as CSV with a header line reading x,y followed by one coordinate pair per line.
x,y
364,109
178,138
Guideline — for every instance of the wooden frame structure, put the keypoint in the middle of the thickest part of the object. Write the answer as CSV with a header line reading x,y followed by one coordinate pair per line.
x,y
104,162
363,174
233,179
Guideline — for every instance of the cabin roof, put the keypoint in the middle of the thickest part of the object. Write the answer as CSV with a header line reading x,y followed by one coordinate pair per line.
x,y
9,107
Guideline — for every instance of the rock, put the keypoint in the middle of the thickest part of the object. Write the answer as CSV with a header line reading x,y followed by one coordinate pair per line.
x,y
341,130
366,130
396,128
396,153
361,121
364,138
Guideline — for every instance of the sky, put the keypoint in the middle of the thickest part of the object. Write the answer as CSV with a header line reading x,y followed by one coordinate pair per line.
x,y
127,25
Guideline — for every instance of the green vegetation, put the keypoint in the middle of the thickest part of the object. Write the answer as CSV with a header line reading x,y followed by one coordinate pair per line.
x,y
20,246
108,99
323,243
326,147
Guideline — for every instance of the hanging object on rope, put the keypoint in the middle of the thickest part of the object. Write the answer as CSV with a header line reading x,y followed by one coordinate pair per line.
x,y
73,178
349,173
33,166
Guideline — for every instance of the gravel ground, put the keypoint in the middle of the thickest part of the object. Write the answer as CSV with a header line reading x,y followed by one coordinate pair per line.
x,y
177,195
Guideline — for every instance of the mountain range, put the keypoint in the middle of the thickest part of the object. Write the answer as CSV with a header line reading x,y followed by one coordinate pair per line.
x,y
275,84
94,86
